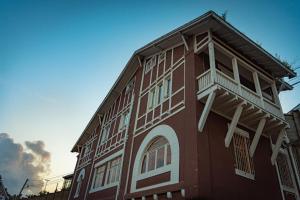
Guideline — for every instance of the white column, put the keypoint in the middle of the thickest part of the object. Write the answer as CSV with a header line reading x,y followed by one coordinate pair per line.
x,y
258,88
236,72
212,62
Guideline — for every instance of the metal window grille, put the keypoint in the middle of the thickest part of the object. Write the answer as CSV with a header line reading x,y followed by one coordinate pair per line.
x,y
243,161
284,171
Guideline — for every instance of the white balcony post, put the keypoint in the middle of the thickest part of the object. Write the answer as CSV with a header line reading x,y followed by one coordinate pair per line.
x,y
211,54
212,63
236,73
258,88
275,94
276,97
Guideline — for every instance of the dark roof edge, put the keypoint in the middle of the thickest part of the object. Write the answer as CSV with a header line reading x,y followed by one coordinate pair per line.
x,y
291,72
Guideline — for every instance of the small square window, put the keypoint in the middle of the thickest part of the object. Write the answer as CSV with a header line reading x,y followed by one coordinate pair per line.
x,y
243,161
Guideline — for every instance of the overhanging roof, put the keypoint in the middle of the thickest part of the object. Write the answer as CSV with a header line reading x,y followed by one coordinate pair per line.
x,y
220,28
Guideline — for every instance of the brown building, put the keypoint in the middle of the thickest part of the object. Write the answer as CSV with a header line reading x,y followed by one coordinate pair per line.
x,y
194,114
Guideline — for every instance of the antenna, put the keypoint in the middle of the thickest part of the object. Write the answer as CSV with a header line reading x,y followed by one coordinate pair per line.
x,y
20,193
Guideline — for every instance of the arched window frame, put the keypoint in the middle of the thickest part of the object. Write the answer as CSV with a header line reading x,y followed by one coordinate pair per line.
x,y
79,182
170,135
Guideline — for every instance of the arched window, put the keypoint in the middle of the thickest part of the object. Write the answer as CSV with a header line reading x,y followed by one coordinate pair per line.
x,y
79,182
157,155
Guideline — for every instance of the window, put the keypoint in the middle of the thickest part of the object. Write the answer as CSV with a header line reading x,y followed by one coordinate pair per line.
x,y
161,57
157,155
114,168
243,162
168,87
151,96
124,121
87,149
286,175
150,62
159,93
107,172
79,182
105,133
284,170
129,86
98,178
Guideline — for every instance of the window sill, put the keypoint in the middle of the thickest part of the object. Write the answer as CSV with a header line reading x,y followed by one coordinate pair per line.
x,y
103,187
244,174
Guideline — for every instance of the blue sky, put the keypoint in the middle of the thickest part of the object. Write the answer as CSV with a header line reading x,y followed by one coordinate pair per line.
x,y
58,59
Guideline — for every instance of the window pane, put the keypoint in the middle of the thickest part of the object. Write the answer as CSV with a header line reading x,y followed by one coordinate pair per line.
x,y
158,143
168,155
114,171
160,94
160,157
168,87
144,164
151,162
99,177
126,118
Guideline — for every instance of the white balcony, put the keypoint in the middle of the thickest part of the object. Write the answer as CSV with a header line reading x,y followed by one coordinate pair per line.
x,y
227,84
238,91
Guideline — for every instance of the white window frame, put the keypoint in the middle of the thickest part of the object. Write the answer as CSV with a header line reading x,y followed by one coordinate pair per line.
x,y
285,188
115,169
106,161
129,86
123,122
95,176
159,98
167,88
146,156
79,182
150,63
238,171
105,134
87,146
171,136
161,57
151,98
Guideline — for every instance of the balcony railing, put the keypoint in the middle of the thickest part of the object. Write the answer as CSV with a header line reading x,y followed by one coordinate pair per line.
x,y
226,82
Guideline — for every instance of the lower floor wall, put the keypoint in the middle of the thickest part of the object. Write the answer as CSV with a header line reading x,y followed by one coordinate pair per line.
x,y
207,169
